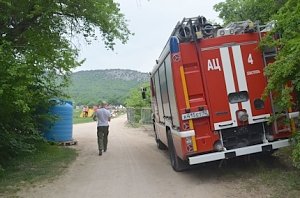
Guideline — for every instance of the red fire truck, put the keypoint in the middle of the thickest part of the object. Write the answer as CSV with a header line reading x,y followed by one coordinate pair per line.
x,y
207,88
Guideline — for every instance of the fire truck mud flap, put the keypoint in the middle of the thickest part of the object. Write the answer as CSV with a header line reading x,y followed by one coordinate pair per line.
x,y
238,152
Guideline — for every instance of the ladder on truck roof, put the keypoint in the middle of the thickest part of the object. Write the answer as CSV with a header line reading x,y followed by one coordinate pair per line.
x,y
239,27
269,54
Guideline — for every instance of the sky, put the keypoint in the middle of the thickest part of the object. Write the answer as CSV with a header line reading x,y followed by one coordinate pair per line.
x,y
152,22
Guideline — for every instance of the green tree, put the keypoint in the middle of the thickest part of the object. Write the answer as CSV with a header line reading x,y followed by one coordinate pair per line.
x,y
286,69
136,100
241,10
36,58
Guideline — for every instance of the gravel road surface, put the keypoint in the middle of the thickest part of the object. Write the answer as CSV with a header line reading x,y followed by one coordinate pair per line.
x,y
132,167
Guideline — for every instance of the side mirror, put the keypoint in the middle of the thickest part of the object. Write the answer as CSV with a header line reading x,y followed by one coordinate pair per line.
x,y
144,93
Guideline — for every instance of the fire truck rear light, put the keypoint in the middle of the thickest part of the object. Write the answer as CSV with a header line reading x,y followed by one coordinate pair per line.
x,y
270,137
189,144
218,146
188,140
242,116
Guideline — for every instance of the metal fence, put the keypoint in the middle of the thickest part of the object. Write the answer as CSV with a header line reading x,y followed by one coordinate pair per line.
x,y
139,115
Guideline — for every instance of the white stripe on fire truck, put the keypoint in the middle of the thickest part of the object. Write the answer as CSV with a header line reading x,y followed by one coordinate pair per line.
x,y
241,78
242,83
230,88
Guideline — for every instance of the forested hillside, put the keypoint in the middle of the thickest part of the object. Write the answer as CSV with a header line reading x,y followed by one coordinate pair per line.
x,y
112,85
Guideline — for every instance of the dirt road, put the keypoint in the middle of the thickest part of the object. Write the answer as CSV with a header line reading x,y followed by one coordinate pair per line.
x,y
132,167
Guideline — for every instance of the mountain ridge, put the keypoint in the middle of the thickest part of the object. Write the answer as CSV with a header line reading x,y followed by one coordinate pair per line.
x,y
112,85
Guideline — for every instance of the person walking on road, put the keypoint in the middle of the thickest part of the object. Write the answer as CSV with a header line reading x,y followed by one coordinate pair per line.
x,y
103,116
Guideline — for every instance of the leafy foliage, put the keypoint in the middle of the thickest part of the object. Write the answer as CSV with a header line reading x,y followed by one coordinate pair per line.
x,y
286,68
284,73
111,85
136,100
241,10
37,57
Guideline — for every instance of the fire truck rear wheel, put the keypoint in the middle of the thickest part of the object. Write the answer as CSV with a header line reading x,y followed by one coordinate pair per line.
x,y
177,164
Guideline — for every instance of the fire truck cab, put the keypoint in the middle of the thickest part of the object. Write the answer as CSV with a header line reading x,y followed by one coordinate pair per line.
x,y
207,88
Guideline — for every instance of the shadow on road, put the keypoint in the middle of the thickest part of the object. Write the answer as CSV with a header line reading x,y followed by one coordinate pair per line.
x,y
239,166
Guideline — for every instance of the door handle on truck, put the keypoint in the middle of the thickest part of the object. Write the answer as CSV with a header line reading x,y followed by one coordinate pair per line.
x,y
223,125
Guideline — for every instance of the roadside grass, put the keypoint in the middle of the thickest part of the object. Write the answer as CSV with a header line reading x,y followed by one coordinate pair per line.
x,y
278,174
46,163
78,120
273,175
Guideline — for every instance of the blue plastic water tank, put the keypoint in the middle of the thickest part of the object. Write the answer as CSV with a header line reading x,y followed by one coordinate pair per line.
x,y
62,129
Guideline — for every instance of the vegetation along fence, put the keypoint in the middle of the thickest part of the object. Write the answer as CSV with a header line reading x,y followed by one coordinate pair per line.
x,y
139,115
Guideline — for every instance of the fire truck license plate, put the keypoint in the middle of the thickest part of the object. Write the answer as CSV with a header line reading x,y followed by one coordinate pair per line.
x,y
194,115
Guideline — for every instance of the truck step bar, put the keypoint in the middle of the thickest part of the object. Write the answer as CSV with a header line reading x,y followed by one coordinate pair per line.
x,y
238,152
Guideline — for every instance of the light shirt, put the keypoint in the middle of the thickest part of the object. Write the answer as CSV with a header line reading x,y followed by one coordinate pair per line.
x,y
103,116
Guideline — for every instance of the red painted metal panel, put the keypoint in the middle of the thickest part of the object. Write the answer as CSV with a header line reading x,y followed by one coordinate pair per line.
x,y
215,81
256,81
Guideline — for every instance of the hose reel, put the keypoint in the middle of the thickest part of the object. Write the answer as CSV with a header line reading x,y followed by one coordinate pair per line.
x,y
199,26
184,33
